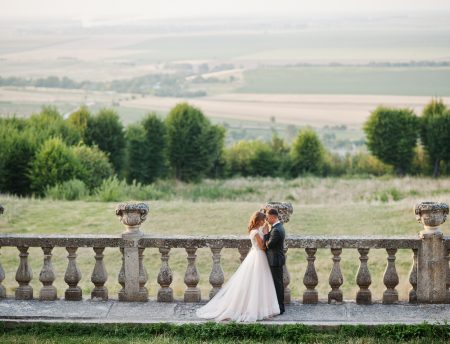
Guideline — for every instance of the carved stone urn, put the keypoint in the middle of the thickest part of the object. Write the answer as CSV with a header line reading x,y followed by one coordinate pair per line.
x,y
431,215
132,215
284,209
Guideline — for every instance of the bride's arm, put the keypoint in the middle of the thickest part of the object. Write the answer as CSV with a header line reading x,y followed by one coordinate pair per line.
x,y
260,242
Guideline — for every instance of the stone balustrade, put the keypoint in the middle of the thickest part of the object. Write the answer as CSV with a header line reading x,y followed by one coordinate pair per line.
x,y
429,275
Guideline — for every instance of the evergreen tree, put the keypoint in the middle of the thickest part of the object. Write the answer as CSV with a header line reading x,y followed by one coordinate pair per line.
x,y
106,132
136,154
194,144
156,163
435,133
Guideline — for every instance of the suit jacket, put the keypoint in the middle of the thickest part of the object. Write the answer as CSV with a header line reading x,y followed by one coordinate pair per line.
x,y
274,242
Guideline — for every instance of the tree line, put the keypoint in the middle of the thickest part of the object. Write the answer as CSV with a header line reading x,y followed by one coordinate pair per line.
x,y
46,150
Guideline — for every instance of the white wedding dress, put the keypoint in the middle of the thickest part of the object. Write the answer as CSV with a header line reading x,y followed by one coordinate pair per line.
x,y
249,295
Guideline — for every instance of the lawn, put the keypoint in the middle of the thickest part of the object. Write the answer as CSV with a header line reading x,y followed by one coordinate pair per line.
x,y
381,206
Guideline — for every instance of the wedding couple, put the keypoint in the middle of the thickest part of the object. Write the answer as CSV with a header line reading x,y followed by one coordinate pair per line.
x,y
256,290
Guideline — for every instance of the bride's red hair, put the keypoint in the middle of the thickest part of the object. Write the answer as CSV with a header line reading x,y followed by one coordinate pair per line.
x,y
256,217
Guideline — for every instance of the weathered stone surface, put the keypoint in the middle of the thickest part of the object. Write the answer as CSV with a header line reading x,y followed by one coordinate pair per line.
x,y
132,215
336,279
47,276
165,293
24,276
363,279
310,280
432,261
72,277
284,209
191,278
99,276
321,314
2,277
390,278
216,278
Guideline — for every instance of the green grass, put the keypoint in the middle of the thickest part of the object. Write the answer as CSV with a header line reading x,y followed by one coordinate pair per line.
x,y
221,333
321,207
413,81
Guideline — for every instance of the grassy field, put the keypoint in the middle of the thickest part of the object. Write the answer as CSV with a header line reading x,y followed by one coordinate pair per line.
x,y
413,81
321,207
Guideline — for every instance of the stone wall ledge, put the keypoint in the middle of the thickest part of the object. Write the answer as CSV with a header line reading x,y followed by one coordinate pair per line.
x,y
181,241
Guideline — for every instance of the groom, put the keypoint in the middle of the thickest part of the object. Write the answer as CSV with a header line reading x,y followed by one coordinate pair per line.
x,y
274,241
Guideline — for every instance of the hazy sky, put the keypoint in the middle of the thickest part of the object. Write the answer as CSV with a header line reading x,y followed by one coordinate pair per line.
x,y
90,9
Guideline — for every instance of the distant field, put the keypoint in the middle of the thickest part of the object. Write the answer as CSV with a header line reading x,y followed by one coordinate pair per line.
x,y
412,81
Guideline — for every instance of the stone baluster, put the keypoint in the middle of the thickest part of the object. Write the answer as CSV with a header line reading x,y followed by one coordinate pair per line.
x,y
143,277
216,278
390,278
72,276
363,279
413,278
191,277
121,277
24,276
310,279
432,263
2,277
335,279
448,275
243,251
165,293
47,277
99,276
286,280
132,215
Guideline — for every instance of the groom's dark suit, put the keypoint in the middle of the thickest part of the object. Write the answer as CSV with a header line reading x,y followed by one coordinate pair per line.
x,y
274,242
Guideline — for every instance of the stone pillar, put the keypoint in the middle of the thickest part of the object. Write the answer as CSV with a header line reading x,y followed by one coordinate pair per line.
x,y
448,274
47,277
310,280
216,278
2,277
363,279
432,255
24,276
165,293
413,278
132,215
99,276
72,277
243,251
335,279
286,279
390,278
191,277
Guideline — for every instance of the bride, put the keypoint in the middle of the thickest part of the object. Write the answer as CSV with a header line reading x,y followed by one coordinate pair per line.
x,y
250,294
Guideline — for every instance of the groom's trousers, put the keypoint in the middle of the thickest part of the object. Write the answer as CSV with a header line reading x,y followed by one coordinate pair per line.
x,y
277,275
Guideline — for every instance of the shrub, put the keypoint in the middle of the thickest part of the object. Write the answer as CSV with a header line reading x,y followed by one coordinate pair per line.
x,y
111,190
251,158
307,154
95,166
55,163
71,190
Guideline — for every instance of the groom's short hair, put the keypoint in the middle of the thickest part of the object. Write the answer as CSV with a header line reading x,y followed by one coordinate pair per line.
x,y
272,212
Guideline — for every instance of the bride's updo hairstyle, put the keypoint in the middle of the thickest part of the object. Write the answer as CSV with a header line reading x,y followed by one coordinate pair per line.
x,y
256,217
